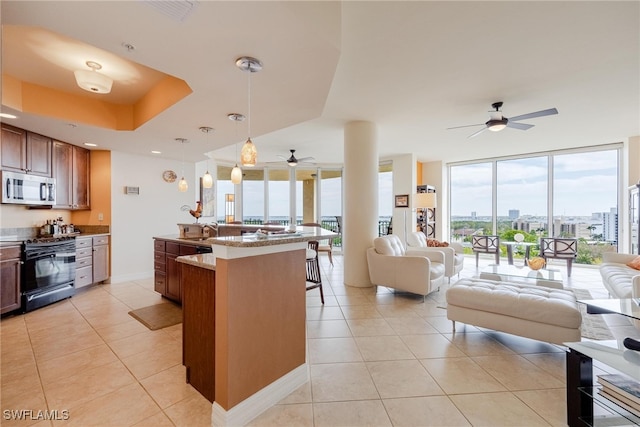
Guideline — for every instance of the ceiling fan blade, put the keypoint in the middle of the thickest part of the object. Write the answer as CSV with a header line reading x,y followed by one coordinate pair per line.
x,y
466,126
540,113
521,126
478,133
306,159
282,157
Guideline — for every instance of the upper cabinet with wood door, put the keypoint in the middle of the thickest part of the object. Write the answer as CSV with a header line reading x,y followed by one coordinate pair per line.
x,y
24,151
80,173
71,171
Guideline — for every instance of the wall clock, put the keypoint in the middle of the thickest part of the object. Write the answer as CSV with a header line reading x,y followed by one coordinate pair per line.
x,y
169,176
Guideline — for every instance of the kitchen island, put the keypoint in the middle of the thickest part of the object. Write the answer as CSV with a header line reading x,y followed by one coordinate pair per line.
x,y
244,321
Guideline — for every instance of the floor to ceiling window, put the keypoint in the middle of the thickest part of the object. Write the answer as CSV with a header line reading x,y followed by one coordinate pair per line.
x,y
278,202
385,198
471,200
522,189
570,193
253,196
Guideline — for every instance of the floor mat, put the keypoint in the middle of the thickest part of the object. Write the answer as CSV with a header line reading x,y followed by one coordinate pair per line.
x,y
158,316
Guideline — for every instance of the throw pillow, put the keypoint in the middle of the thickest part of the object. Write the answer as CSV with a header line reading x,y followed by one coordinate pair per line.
x,y
635,263
434,243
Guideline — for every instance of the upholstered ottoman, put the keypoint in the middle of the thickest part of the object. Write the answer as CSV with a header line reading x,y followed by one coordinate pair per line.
x,y
536,312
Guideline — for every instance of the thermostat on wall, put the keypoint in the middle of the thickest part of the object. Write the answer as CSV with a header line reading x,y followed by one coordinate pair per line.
x,y
132,190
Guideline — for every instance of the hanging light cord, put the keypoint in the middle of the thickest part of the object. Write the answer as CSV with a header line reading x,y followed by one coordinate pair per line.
x,y
249,103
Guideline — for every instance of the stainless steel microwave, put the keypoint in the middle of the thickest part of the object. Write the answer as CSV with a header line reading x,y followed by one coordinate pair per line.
x,y
24,189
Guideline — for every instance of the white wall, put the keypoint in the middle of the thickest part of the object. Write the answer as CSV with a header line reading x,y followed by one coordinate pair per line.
x,y
155,212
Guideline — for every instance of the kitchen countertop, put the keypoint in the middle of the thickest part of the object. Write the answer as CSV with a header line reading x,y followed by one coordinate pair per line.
x,y
250,240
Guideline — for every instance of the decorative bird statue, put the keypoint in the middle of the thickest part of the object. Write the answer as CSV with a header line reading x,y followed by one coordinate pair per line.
x,y
197,213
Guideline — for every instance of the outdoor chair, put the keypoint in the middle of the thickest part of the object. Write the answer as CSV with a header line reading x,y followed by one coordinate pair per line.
x,y
560,248
487,245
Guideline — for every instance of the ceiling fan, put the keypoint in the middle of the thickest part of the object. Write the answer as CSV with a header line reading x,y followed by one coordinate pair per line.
x,y
292,161
497,122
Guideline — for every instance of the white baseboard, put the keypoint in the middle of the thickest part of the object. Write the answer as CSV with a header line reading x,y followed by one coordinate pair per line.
x,y
256,404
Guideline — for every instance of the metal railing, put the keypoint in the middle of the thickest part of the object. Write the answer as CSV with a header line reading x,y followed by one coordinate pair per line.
x,y
326,223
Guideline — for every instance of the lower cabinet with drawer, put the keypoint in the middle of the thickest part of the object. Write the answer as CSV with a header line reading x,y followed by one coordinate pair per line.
x,y
10,264
167,279
92,260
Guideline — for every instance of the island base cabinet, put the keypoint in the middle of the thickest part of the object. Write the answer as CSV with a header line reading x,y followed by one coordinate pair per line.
x,y
198,328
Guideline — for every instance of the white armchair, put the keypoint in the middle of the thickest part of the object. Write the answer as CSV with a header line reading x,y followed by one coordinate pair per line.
x,y
453,254
412,271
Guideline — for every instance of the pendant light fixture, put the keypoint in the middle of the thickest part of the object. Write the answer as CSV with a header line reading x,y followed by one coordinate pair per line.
x,y
236,172
182,184
249,154
207,179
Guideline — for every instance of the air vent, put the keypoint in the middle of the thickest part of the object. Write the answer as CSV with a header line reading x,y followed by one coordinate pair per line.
x,y
178,10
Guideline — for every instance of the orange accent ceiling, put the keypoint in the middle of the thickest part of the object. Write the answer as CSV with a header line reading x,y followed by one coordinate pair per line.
x,y
41,100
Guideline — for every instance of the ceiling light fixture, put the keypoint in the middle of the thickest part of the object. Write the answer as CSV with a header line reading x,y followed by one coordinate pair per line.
x,y
236,172
496,125
182,184
8,116
91,80
207,179
249,154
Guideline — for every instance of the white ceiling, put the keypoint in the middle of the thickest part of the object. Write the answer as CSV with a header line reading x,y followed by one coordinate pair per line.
x,y
414,68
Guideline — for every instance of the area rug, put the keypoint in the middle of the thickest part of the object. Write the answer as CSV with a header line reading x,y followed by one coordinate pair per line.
x,y
158,316
593,325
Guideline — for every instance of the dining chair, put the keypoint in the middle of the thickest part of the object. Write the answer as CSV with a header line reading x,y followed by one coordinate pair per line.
x,y
559,248
313,268
486,244
326,245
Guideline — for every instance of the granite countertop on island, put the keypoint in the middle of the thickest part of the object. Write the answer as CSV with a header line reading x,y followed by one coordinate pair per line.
x,y
251,240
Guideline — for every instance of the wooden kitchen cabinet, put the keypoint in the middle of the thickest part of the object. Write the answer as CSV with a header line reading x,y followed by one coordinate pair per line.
x,y
71,169
62,165
80,178
92,260
100,258
167,277
24,151
159,267
84,262
10,264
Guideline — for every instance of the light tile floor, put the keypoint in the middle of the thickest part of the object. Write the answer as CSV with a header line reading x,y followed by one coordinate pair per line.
x,y
376,359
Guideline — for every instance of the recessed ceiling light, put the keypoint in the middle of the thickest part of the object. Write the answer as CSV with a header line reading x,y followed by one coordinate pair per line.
x,y
90,144
156,152
8,116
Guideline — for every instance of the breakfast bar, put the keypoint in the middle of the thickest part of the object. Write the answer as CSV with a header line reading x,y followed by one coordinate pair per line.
x,y
244,321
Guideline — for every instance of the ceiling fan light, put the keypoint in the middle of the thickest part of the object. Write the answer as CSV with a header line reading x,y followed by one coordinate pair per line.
x,y
236,175
207,180
182,185
91,80
496,125
248,154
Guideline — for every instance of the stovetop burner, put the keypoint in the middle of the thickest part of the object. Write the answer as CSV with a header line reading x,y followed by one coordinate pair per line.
x,y
49,239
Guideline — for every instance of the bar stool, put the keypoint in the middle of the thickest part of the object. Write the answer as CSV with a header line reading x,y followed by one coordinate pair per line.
x,y
313,268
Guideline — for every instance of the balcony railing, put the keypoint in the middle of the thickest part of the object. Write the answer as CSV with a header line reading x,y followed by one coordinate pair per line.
x,y
326,223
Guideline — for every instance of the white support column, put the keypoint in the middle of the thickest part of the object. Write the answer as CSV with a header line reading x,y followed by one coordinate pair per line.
x,y
292,198
360,222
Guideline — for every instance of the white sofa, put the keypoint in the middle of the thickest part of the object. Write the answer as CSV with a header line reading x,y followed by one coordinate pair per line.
x,y
536,312
391,265
453,254
620,280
